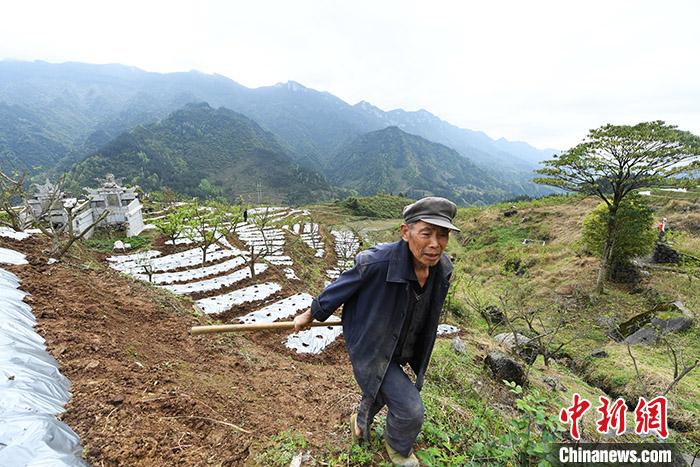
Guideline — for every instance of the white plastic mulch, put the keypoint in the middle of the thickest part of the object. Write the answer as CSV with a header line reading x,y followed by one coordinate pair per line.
x,y
8,256
279,260
221,303
192,274
13,234
134,257
32,390
290,274
188,258
217,282
346,247
444,329
316,339
281,309
310,234
269,241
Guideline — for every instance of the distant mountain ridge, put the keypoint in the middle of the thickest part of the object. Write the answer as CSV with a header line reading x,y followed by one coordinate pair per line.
x,y
393,161
208,152
82,107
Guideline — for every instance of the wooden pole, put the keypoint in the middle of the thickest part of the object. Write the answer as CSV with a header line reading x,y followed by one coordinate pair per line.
x,y
197,330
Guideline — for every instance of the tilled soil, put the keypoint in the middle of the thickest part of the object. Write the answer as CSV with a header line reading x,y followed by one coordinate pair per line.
x,y
146,393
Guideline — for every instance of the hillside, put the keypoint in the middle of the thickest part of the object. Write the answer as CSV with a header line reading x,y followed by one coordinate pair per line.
x,y
161,396
206,152
82,107
392,161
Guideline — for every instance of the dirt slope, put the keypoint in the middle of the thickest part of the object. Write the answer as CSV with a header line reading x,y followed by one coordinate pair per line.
x,y
146,393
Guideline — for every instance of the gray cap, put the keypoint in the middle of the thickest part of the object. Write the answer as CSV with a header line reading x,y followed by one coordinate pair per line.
x,y
433,210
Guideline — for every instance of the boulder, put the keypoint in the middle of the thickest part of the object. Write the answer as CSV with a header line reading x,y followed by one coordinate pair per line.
x,y
599,353
649,334
678,324
504,367
646,336
554,383
494,314
678,306
523,347
663,253
458,345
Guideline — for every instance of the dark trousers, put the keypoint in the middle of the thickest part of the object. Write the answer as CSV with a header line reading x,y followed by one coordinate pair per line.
x,y
406,411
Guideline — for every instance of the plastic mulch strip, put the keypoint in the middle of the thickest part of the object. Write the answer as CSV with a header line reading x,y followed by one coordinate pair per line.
x,y
32,390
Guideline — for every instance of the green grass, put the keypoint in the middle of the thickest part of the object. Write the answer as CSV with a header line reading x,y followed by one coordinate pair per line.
x,y
106,245
380,206
281,448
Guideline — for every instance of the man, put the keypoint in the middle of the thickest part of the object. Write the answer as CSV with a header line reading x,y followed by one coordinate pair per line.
x,y
392,301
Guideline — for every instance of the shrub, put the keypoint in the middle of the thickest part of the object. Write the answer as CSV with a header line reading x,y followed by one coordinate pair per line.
x,y
633,233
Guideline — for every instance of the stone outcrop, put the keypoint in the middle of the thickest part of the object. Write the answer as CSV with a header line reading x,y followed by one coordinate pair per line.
x,y
505,368
518,344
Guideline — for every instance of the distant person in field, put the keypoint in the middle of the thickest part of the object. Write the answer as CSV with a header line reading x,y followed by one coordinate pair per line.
x,y
392,299
662,228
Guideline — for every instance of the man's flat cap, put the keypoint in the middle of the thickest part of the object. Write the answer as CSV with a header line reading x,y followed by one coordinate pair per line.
x,y
433,210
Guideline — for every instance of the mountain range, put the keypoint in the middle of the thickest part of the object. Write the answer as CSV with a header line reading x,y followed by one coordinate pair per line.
x,y
54,116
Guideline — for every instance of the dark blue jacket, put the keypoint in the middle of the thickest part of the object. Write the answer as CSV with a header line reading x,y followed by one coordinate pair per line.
x,y
375,297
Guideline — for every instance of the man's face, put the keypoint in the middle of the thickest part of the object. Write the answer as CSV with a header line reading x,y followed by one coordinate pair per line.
x,y
426,242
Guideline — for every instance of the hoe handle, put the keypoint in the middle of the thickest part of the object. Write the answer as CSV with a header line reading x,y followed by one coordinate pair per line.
x,y
196,330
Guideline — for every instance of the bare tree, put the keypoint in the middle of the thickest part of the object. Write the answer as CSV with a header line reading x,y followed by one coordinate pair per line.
x,y
477,303
262,222
347,244
518,309
679,371
62,232
12,192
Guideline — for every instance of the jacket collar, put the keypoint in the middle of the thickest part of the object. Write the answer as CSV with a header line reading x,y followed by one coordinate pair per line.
x,y
400,264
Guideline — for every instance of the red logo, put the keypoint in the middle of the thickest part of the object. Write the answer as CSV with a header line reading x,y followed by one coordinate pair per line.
x,y
611,416
574,413
651,416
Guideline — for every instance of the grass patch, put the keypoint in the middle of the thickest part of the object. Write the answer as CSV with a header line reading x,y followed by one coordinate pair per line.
x,y
106,245
380,206
281,449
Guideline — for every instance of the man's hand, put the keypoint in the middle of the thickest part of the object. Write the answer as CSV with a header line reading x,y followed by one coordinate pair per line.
x,y
303,320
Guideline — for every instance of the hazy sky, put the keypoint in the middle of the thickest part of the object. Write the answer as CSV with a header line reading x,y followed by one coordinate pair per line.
x,y
538,71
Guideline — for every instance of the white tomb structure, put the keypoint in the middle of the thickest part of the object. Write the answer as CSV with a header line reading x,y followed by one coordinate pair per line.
x,y
122,203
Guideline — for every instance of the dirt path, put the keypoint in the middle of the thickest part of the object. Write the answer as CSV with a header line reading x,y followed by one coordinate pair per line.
x,y
146,393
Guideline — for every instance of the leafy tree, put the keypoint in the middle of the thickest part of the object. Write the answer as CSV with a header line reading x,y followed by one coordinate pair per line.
x,y
614,160
210,223
174,223
633,233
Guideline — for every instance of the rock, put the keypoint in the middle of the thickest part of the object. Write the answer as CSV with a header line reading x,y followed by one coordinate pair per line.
x,y
645,336
649,334
691,460
494,314
505,368
599,353
663,253
554,383
458,345
523,347
678,324
678,306
116,400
